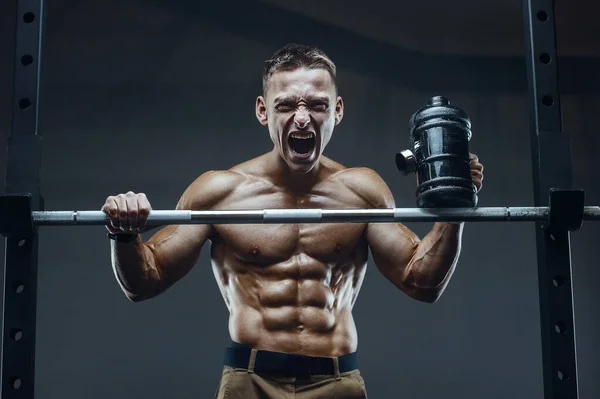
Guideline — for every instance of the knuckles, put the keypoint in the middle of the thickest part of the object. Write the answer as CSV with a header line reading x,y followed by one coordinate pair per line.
x,y
124,196
117,209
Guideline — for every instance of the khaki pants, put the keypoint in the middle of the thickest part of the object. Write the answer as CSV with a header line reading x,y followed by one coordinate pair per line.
x,y
244,384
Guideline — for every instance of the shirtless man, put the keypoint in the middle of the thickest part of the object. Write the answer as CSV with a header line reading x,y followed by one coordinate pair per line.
x,y
289,288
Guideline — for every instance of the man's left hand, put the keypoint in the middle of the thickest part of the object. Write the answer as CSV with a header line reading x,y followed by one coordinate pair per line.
x,y
476,171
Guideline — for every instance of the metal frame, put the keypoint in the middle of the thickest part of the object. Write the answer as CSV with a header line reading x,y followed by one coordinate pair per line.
x,y
22,175
551,159
552,168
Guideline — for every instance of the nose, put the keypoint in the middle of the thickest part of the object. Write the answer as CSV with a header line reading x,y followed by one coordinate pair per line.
x,y
301,118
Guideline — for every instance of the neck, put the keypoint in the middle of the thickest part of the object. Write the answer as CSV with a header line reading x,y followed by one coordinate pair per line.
x,y
282,175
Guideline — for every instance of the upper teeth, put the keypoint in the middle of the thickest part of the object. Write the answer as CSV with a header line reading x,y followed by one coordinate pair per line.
x,y
302,136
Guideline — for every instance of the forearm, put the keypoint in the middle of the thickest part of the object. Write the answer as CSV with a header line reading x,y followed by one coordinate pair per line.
x,y
435,258
135,268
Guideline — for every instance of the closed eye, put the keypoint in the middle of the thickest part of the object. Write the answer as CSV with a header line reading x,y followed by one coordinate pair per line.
x,y
284,107
320,106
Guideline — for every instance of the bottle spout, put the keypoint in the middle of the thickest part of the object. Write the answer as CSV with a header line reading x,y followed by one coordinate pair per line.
x,y
439,100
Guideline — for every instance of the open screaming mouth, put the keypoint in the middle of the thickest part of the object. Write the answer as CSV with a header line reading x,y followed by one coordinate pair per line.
x,y
302,144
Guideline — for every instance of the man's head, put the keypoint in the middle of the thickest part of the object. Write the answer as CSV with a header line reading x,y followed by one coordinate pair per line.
x,y
300,105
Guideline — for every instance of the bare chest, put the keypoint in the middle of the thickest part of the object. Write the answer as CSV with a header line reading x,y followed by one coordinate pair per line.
x,y
274,243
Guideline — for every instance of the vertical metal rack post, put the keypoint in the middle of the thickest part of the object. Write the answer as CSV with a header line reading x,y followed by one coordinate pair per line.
x,y
22,176
552,168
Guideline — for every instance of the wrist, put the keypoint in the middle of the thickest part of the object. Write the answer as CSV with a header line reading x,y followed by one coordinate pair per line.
x,y
122,237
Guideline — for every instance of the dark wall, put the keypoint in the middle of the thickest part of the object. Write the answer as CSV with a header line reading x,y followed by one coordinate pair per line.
x,y
148,101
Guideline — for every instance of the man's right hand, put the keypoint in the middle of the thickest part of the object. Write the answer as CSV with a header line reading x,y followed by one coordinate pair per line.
x,y
128,213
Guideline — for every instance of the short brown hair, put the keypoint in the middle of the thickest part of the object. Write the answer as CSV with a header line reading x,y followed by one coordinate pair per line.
x,y
292,56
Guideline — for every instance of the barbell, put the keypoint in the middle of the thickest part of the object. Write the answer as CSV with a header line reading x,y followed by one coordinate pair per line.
x,y
566,211
271,216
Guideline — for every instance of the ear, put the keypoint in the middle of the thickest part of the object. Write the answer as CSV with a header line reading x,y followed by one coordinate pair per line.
x,y
339,110
261,111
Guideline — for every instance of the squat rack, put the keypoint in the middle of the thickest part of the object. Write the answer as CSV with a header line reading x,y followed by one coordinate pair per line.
x,y
551,168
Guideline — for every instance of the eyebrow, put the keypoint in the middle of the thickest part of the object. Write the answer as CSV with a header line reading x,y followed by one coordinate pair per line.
x,y
309,99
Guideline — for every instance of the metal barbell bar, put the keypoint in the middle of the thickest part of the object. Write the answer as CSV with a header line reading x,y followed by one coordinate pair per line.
x,y
275,216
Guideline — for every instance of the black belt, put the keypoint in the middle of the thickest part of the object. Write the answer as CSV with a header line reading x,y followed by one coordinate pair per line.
x,y
238,356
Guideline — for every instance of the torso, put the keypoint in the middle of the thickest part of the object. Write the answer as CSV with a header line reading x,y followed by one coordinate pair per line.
x,y
291,287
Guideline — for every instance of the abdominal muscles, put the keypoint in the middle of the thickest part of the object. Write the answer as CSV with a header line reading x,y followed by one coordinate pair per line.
x,y
299,305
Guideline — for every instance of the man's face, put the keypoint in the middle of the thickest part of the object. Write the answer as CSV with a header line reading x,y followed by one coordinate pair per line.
x,y
300,109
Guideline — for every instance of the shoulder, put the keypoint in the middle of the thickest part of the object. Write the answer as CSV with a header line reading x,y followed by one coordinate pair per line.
x,y
210,188
368,185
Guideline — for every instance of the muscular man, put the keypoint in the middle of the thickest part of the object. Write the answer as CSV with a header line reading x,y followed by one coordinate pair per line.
x,y
289,288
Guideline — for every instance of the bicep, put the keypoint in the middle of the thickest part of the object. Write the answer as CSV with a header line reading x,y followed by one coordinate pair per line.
x,y
175,250
393,246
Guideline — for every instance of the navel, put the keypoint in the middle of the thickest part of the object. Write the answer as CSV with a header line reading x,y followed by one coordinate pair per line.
x,y
338,248
254,251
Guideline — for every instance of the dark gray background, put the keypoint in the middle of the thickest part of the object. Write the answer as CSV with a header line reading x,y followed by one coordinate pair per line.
x,y
145,96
